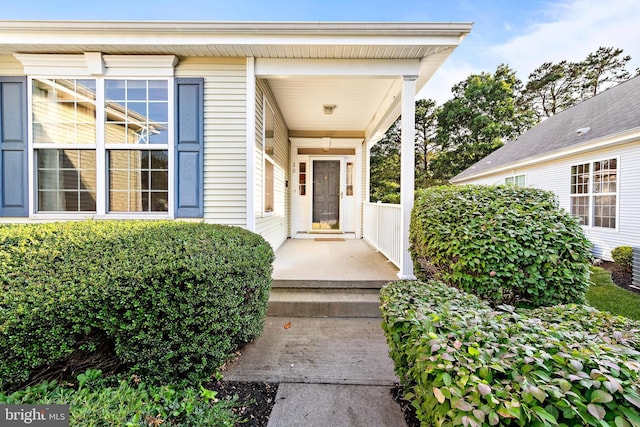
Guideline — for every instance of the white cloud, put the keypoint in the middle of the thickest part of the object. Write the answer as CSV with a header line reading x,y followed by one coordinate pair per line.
x,y
575,28
450,74
567,29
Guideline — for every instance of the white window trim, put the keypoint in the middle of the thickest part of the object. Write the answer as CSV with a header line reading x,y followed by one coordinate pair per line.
x,y
514,176
592,195
101,149
267,158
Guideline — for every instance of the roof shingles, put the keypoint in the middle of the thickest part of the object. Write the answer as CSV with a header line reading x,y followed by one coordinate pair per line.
x,y
608,113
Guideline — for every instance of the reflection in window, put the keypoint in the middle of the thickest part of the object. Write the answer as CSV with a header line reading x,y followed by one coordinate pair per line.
x,y
66,180
64,111
138,180
302,179
517,180
136,111
268,186
349,179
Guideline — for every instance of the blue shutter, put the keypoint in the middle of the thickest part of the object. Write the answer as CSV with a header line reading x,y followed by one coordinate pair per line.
x,y
13,147
189,143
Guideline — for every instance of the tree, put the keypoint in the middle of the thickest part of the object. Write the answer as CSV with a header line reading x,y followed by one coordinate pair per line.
x,y
426,133
385,167
554,87
484,112
385,155
603,69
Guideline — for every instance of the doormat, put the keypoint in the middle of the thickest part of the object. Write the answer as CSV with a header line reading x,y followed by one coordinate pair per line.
x,y
329,239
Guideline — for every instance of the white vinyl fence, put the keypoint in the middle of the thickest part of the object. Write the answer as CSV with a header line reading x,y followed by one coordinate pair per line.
x,y
382,229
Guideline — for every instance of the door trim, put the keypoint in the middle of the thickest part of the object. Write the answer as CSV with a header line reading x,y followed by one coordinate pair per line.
x,y
312,160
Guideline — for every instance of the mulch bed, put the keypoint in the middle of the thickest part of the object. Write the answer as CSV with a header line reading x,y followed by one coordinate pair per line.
x,y
620,276
256,399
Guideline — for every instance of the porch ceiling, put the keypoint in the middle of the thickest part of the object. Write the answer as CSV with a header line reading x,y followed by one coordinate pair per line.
x,y
301,101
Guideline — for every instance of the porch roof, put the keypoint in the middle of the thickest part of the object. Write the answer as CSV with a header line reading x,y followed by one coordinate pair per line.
x,y
367,101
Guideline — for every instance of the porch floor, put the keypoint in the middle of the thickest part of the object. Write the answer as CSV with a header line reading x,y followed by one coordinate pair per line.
x,y
330,258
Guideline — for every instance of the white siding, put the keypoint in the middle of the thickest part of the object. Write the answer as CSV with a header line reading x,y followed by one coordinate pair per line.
x,y
556,176
275,225
10,66
225,177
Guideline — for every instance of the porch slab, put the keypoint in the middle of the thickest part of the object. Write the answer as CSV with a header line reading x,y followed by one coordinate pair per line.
x,y
334,259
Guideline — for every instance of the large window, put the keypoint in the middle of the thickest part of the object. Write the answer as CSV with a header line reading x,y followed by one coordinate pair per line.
x,y
594,193
101,145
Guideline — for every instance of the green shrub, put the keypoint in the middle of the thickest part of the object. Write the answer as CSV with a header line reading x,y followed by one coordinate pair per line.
x,y
623,256
506,244
95,402
463,363
172,299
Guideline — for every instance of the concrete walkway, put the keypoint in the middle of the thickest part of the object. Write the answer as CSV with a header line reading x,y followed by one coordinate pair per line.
x,y
332,372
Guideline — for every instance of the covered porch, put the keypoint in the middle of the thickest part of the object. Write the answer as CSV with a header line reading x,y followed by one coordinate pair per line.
x,y
331,259
334,107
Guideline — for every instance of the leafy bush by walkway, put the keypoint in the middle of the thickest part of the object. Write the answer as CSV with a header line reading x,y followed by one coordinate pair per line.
x,y
506,244
170,299
468,364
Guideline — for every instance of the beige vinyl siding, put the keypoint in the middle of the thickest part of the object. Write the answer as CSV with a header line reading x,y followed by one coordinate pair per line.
x,y
10,66
556,176
272,226
225,163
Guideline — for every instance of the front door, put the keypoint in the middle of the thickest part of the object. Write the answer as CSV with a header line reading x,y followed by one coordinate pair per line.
x,y
326,195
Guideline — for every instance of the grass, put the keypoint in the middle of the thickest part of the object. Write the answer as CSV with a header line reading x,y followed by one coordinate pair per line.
x,y
604,295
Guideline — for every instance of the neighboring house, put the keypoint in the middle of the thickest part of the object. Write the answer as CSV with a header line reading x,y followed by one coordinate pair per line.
x,y
266,126
589,156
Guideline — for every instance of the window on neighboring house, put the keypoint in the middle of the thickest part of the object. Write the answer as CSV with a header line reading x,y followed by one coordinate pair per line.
x,y
268,154
518,180
111,131
594,193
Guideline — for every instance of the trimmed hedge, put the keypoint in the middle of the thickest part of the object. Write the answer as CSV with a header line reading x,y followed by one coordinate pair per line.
x,y
172,299
623,256
505,244
464,363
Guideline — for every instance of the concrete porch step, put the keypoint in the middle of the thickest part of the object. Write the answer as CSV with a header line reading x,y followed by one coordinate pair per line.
x,y
328,284
325,299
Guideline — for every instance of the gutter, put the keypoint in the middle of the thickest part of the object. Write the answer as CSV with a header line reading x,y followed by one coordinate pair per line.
x,y
396,29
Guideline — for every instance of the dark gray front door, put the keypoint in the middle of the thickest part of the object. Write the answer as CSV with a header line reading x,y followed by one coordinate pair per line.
x,y
326,195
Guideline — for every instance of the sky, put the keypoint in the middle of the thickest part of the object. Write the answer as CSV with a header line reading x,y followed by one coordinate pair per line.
x,y
520,33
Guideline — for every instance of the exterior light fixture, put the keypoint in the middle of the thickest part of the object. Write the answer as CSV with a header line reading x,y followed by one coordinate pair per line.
x,y
328,108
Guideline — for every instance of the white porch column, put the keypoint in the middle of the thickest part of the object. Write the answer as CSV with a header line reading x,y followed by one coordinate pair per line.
x,y
250,123
407,172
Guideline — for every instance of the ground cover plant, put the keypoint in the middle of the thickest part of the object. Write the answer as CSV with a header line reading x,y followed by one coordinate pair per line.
x,y
506,244
161,299
97,401
463,362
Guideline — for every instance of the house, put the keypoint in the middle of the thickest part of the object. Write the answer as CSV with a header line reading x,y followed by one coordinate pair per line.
x,y
589,156
261,125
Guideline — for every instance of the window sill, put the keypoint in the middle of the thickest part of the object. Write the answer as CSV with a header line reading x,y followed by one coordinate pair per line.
x,y
89,216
